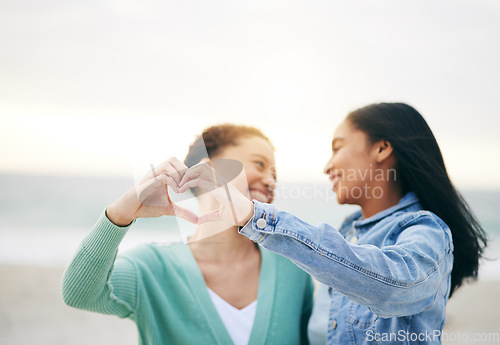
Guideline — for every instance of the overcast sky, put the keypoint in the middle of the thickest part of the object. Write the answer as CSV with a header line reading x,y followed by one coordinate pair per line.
x,y
95,87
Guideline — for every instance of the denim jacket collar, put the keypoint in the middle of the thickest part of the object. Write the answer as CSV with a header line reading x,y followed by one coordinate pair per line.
x,y
408,200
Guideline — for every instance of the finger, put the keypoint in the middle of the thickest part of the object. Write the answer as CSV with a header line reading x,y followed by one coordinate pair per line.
x,y
197,182
172,166
172,184
211,216
164,180
208,173
154,170
179,166
186,214
200,182
192,173
154,182
155,186
171,172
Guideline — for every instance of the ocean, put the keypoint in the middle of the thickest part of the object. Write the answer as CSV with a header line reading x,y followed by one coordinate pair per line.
x,y
43,218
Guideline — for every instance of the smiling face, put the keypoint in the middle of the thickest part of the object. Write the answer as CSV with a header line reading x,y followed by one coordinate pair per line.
x,y
257,157
351,166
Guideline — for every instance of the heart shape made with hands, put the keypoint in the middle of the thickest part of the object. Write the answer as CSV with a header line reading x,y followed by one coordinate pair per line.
x,y
150,197
207,176
153,195
212,175
223,172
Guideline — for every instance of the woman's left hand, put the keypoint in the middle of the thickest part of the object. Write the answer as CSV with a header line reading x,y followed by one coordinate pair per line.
x,y
235,208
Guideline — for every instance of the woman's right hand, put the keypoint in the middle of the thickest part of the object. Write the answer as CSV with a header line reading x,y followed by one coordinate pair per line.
x,y
234,207
149,198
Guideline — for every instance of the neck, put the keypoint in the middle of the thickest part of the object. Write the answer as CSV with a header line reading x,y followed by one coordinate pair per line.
x,y
209,243
390,195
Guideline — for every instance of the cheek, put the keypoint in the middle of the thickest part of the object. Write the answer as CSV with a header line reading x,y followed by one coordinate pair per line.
x,y
241,182
251,173
355,168
343,161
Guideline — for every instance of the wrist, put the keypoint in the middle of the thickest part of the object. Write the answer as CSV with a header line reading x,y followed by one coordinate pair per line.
x,y
249,215
116,218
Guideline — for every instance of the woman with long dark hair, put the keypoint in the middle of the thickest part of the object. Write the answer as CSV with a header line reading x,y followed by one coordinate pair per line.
x,y
422,170
387,273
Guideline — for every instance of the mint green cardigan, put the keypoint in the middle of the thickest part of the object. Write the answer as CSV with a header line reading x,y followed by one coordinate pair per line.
x,y
161,288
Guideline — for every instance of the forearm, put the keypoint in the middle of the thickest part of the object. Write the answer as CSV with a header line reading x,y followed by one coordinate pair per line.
x,y
86,280
377,278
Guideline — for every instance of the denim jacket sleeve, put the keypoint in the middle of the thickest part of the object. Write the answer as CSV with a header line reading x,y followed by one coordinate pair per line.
x,y
398,279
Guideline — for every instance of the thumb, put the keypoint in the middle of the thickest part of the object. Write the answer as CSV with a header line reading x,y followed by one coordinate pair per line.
x,y
186,214
211,216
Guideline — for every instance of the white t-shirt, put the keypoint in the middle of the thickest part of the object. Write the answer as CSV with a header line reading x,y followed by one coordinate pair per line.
x,y
238,322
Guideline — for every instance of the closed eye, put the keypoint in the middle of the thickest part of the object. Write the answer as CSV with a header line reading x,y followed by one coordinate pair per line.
x,y
260,164
337,144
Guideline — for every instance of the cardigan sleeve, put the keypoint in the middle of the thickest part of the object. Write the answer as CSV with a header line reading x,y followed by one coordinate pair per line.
x,y
94,281
306,310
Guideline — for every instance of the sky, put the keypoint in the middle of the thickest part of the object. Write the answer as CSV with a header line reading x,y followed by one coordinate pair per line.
x,y
104,87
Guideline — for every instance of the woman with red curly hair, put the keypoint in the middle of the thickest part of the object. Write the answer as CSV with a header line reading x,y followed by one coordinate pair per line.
x,y
220,288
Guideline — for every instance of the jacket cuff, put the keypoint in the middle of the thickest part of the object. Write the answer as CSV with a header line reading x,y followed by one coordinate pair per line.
x,y
263,222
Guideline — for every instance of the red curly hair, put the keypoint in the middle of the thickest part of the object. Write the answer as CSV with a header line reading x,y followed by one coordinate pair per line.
x,y
216,138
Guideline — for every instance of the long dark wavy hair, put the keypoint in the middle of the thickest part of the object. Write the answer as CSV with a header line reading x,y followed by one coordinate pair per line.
x,y
421,169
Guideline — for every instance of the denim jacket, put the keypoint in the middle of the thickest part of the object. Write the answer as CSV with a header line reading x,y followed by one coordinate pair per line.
x,y
384,279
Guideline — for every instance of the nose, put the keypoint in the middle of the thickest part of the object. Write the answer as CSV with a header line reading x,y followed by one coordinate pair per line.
x,y
329,166
269,179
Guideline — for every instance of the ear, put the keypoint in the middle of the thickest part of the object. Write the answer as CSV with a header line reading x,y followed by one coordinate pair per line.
x,y
382,151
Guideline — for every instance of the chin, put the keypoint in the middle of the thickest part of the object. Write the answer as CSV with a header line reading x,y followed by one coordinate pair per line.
x,y
265,201
340,200
342,196
261,197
